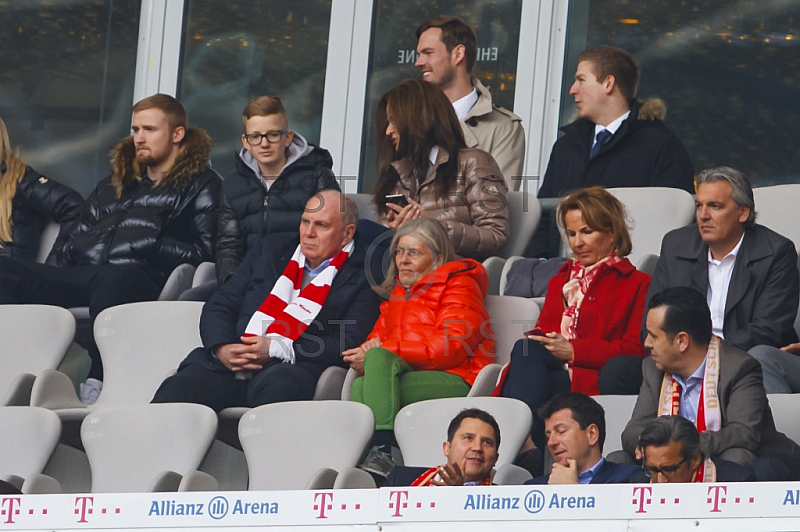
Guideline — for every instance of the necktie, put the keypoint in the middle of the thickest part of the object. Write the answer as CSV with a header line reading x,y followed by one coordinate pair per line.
x,y
601,140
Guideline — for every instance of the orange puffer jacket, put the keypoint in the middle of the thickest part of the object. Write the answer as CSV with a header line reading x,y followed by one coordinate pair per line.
x,y
441,323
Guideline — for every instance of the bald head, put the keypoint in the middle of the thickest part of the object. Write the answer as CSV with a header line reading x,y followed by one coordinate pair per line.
x,y
328,224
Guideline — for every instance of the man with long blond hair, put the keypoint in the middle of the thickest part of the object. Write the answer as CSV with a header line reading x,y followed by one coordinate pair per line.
x,y
157,210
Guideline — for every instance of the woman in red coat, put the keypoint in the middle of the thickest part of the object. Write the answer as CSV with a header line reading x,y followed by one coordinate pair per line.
x,y
432,337
592,312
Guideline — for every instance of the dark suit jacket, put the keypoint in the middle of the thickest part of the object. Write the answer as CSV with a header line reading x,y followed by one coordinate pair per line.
x,y
609,473
403,475
347,316
763,295
747,421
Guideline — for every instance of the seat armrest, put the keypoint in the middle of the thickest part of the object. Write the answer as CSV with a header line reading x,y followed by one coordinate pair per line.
x,y
347,387
39,483
486,381
19,393
322,479
511,475
198,481
351,478
166,481
54,390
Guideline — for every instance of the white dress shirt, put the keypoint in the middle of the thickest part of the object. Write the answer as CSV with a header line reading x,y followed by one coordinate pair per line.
x,y
719,279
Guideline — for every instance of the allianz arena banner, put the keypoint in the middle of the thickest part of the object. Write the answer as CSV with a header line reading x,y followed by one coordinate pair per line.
x,y
746,505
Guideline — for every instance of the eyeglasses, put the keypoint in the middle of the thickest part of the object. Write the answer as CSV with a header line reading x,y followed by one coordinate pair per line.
x,y
667,471
413,254
254,139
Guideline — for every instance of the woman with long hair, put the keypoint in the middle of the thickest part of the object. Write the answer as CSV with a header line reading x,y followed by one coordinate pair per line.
x,y
27,201
423,161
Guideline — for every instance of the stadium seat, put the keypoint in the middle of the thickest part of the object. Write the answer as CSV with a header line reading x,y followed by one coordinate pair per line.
x,y
287,443
524,213
510,318
619,409
784,408
654,211
366,209
46,240
420,428
150,447
140,344
35,339
28,438
494,270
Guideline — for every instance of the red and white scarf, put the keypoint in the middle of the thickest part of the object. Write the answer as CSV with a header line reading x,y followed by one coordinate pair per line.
x,y
287,311
574,290
709,414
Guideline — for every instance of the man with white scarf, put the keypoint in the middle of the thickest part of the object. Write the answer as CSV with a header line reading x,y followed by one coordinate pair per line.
x,y
285,316
697,375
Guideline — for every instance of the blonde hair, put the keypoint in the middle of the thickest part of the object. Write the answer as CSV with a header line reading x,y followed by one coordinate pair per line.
x,y
9,179
601,211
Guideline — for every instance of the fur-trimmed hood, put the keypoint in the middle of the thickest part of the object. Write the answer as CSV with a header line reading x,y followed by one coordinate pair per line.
x,y
651,109
193,155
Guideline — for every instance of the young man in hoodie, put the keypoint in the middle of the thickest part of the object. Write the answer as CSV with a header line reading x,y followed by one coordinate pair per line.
x,y
277,172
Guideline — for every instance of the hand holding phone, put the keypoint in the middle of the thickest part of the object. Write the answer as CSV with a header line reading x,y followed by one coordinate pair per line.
x,y
536,331
397,199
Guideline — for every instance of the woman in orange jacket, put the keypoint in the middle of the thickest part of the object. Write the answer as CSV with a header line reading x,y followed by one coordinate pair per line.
x,y
433,335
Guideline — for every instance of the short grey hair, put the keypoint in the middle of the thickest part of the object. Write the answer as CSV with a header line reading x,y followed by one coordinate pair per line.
x,y
742,190
349,211
664,430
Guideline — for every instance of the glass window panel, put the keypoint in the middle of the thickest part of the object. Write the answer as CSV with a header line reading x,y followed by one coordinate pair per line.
x,y
728,72
393,52
66,83
235,51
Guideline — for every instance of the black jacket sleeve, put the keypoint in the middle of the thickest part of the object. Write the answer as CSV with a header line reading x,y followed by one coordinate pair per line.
x,y
231,242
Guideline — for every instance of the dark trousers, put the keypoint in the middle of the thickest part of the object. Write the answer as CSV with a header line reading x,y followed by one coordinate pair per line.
x,y
534,376
277,382
98,287
621,375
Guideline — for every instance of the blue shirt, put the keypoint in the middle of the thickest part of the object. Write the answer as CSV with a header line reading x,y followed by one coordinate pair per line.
x,y
318,270
690,392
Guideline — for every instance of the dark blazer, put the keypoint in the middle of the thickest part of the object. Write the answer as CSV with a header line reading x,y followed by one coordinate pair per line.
x,y
609,473
763,294
344,321
747,421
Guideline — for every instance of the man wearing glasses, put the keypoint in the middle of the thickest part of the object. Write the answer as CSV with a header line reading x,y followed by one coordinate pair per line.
x,y
670,449
277,172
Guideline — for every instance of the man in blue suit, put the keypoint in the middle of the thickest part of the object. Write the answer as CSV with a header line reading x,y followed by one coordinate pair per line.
x,y
575,428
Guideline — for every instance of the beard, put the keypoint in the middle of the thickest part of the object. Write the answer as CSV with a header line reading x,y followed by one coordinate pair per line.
x,y
147,158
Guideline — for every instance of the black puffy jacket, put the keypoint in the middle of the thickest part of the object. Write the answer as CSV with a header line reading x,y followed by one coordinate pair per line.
x,y
129,219
248,210
37,200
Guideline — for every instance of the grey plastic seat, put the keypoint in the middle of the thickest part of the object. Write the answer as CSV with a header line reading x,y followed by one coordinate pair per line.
x,y
654,212
287,443
35,339
140,344
510,317
524,212
46,240
619,409
27,441
420,428
151,447
494,270
784,409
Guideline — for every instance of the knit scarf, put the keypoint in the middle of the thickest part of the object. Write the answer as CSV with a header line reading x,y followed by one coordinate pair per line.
x,y
574,290
426,479
287,311
709,415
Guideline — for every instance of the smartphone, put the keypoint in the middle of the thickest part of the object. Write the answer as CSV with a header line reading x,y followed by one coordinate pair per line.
x,y
397,199
536,331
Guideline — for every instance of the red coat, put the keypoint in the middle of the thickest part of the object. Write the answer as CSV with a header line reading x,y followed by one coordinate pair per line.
x,y
609,323
442,323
